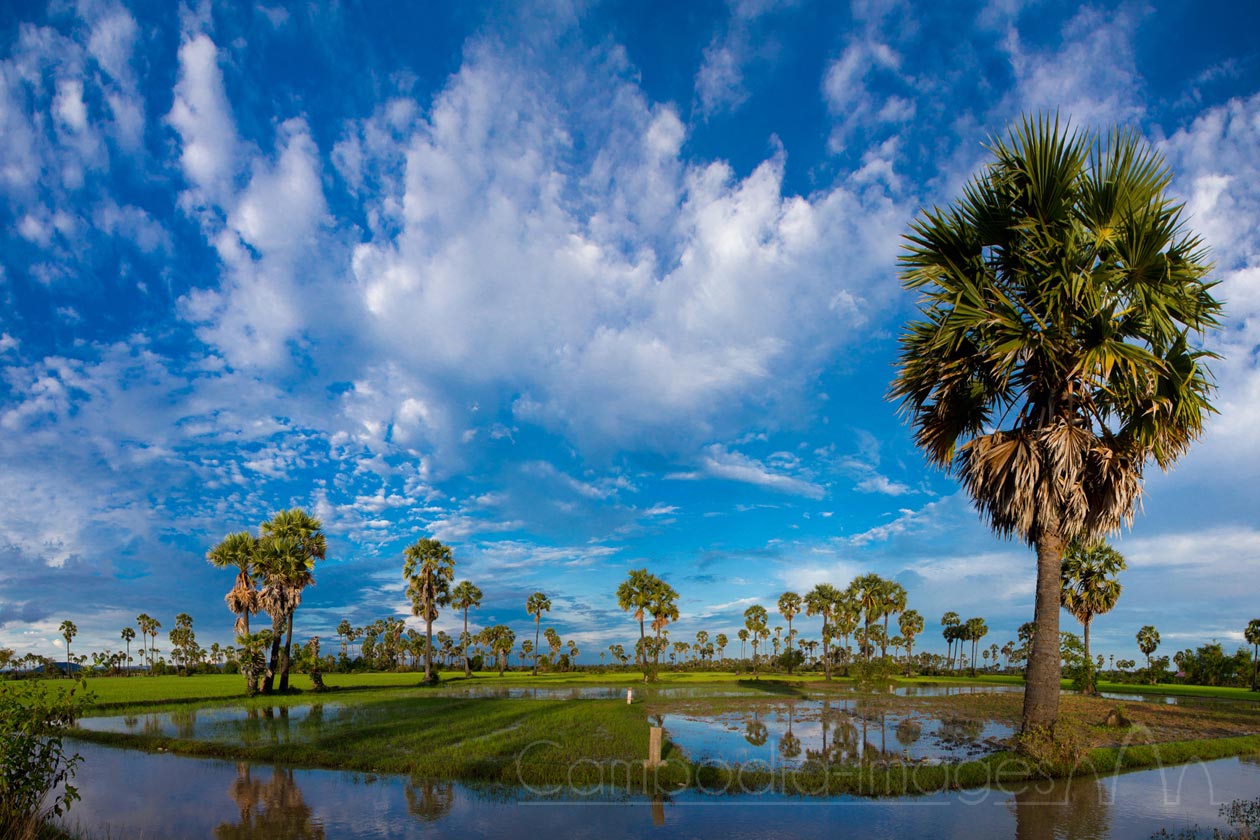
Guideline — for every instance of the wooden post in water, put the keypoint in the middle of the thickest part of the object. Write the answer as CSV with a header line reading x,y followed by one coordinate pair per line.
x,y
654,747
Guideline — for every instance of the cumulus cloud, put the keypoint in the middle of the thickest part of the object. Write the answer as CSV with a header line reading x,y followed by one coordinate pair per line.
x,y
1090,75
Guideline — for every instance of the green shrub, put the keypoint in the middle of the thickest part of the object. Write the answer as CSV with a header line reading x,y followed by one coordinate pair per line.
x,y
33,760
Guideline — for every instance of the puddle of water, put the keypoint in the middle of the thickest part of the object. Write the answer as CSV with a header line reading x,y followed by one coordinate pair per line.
x,y
132,794
791,734
231,724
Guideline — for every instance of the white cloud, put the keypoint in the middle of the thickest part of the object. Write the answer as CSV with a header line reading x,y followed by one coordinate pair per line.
x,y
1090,75
624,297
718,462
203,118
882,484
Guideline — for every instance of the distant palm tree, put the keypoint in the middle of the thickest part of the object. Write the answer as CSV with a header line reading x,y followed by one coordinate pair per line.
x,y
1252,635
536,605
743,637
1060,295
789,607
428,568
465,597
975,630
237,551
1089,587
720,640
68,632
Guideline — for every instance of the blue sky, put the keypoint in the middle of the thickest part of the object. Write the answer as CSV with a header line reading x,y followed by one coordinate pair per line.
x,y
573,287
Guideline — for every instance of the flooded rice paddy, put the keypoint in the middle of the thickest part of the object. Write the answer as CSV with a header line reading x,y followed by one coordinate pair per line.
x,y
133,794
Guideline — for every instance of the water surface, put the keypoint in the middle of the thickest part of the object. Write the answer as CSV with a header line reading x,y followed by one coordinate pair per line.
x,y
132,794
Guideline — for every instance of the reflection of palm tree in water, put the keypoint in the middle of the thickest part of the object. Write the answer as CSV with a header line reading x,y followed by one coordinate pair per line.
x,y
270,810
755,731
1076,808
789,744
428,800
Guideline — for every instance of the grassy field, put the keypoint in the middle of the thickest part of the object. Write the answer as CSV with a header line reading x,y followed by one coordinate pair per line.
x,y
118,692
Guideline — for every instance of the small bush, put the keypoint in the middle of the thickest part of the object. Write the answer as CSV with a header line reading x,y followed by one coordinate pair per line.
x,y
1060,752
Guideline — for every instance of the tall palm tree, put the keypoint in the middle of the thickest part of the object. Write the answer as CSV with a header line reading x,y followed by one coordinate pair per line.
x,y
281,567
308,545
755,619
428,568
128,634
636,593
910,623
465,597
867,592
237,551
743,639
1252,635
822,601
536,605
949,621
720,640
1148,642
1089,587
1060,295
664,609
68,632
975,630
789,607
892,596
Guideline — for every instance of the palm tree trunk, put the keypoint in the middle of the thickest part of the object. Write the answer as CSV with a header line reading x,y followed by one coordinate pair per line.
x,y
883,643
826,638
789,647
467,661
277,625
1041,693
537,625
428,648
1089,663
287,658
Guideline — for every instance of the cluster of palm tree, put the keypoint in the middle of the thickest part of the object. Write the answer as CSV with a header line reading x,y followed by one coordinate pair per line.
x,y
647,595
272,570
955,631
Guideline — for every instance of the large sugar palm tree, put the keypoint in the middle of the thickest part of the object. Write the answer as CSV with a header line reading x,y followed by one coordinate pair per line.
x,y
789,608
292,542
428,568
237,551
910,623
643,593
536,605
892,596
1090,587
1062,298
822,601
867,591
465,597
